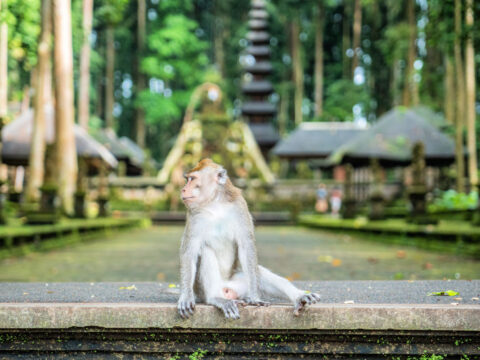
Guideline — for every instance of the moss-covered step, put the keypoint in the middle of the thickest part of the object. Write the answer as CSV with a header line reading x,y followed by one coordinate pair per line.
x,y
450,236
17,240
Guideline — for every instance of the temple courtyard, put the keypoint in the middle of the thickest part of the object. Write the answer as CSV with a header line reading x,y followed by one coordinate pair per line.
x,y
297,253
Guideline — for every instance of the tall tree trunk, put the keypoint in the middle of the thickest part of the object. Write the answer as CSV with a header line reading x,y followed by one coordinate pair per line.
x,y
283,108
449,97
319,28
357,34
297,69
470,98
141,80
218,37
3,61
460,98
109,80
410,89
100,79
84,83
395,83
346,39
66,156
42,99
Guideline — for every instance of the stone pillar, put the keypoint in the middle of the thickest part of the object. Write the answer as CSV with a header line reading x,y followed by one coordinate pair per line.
x,y
3,219
349,206
377,200
417,191
102,200
122,168
48,213
80,208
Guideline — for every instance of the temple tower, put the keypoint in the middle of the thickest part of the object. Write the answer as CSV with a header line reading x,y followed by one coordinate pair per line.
x,y
256,87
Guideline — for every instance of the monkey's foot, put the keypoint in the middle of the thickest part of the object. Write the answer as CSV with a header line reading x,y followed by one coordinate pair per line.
x,y
302,301
186,308
229,307
249,301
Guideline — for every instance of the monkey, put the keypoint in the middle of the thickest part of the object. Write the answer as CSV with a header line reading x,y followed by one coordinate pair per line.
x,y
218,258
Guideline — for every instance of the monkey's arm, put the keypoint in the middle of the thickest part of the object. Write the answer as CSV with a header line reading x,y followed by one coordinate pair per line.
x,y
188,269
247,255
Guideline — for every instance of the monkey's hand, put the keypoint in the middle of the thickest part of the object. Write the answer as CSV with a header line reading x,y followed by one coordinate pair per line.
x,y
186,306
254,301
302,301
229,307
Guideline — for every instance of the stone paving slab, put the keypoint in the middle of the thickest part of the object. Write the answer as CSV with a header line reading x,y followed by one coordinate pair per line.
x,y
332,292
369,305
377,317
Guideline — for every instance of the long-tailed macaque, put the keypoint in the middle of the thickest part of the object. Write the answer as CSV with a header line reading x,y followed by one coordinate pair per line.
x,y
218,256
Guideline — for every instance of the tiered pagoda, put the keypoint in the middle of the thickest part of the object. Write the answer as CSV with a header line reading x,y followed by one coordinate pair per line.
x,y
256,88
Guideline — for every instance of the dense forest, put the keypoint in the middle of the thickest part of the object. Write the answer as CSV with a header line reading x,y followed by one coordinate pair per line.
x,y
135,63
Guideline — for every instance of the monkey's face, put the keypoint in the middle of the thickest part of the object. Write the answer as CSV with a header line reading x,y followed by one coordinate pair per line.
x,y
204,183
200,188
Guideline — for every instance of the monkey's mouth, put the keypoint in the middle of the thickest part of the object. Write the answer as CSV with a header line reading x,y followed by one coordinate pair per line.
x,y
188,198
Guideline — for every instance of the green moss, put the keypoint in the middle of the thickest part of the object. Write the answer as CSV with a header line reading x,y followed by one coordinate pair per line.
x,y
458,237
137,205
49,188
48,237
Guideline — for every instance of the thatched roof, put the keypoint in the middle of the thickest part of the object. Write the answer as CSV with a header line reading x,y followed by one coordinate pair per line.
x,y
434,118
16,138
391,141
120,150
316,140
138,152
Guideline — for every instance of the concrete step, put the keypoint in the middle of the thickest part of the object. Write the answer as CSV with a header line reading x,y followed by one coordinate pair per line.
x,y
382,320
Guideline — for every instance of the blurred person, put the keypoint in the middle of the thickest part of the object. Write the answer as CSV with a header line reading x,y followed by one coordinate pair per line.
x,y
321,205
336,201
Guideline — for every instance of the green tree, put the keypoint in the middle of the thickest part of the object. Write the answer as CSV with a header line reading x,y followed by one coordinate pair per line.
x,y
3,61
112,13
23,19
340,99
176,64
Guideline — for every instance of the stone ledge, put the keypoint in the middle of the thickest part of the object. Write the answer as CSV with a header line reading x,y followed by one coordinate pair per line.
x,y
427,317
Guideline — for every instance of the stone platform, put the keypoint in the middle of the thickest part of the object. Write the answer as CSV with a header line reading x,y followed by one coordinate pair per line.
x,y
360,319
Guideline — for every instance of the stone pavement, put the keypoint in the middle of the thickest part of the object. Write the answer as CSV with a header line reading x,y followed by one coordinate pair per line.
x,y
332,292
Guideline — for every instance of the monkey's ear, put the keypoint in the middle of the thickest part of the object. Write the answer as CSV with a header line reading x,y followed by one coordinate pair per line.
x,y
222,176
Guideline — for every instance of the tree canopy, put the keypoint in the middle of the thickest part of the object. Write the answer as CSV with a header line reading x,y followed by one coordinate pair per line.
x,y
191,41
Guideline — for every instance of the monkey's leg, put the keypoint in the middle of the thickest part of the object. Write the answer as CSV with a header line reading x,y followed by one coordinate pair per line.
x,y
211,284
274,285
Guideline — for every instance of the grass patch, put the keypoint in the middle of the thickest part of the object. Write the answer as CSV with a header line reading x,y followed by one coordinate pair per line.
x,y
458,237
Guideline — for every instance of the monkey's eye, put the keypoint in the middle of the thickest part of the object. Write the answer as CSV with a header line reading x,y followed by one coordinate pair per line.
x,y
190,178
